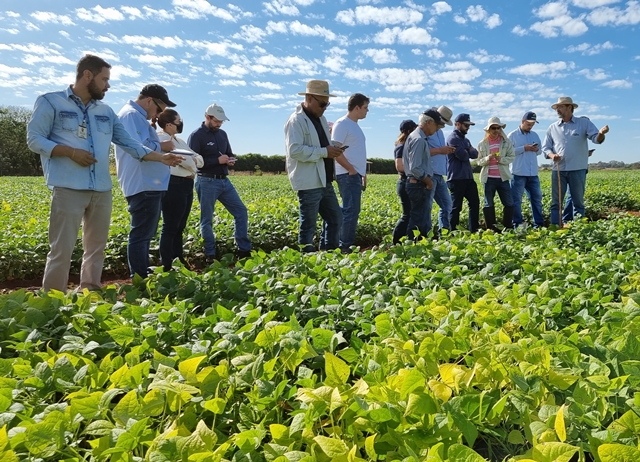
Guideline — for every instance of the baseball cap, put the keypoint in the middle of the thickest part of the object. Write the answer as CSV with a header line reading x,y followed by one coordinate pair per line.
x,y
407,125
435,115
216,111
530,117
464,119
154,90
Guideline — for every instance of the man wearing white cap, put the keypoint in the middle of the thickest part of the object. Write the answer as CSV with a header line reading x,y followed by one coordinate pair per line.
x,y
524,169
213,184
439,151
566,144
310,167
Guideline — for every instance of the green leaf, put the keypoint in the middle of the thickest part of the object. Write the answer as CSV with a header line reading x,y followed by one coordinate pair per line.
x,y
336,370
554,452
461,453
420,404
127,408
215,405
99,428
370,447
153,403
331,447
618,453
188,369
411,380
122,335
87,407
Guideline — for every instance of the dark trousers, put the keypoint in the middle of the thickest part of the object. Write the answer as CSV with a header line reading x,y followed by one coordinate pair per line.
x,y
176,206
464,189
144,209
401,226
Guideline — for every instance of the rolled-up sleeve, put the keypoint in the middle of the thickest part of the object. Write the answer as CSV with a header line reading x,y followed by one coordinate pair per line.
x,y
39,127
592,132
295,144
128,144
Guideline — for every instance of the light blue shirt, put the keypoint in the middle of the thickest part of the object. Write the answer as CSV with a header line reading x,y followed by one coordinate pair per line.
x,y
55,121
526,162
135,176
439,161
416,157
570,141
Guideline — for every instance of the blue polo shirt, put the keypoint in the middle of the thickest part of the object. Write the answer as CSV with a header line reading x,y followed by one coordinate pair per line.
x,y
526,162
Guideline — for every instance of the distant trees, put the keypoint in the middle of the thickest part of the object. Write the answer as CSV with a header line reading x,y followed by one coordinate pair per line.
x,y
15,156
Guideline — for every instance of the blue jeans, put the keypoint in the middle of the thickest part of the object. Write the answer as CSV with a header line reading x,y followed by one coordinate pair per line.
x,y
503,189
567,213
176,206
350,187
144,209
419,198
325,202
209,191
440,193
530,184
460,190
400,229
575,180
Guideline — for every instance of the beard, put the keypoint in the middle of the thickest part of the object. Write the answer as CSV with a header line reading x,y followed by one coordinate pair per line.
x,y
213,128
94,91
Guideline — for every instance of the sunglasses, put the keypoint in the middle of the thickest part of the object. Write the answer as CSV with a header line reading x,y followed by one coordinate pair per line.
x,y
157,105
322,104
494,128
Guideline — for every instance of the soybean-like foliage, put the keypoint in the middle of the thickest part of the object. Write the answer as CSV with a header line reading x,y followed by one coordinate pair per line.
x,y
516,346
273,218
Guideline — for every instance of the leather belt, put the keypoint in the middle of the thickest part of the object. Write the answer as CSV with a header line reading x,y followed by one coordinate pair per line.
x,y
213,175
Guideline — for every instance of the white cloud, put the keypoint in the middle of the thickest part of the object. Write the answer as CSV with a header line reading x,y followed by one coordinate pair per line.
x,y
587,49
476,13
464,38
592,3
8,72
298,28
492,83
234,70
134,13
481,56
625,84
45,16
435,54
12,14
198,9
594,74
281,7
453,87
154,59
381,55
250,33
518,30
12,31
608,16
440,8
232,83
99,14
263,96
459,19
410,36
119,71
267,85
64,33
382,16
553,70
557,20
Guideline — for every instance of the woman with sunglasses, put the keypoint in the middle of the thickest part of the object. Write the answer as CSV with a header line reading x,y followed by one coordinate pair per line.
x,y
406,127
177,201
495,153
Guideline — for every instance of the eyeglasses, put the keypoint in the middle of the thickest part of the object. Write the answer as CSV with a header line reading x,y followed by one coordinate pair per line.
x,y
322,104
157,105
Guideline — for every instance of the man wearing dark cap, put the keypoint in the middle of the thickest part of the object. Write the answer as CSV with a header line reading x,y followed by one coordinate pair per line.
x,y
143,183
416,160
460,174
524,169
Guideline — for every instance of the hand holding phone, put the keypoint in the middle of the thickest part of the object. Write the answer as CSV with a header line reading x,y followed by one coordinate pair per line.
x,y
343,147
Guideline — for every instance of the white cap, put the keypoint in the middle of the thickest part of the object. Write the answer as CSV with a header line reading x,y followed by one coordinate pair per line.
x,y
216,111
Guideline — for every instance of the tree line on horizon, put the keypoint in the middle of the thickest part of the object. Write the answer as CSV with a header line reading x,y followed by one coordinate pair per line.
x,y
16,159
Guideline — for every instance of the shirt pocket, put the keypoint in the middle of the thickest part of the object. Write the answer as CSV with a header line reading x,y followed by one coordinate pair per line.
x,y
69,120
103,123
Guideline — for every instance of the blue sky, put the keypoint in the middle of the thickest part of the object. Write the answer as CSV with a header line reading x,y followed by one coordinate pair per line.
x,y
492,58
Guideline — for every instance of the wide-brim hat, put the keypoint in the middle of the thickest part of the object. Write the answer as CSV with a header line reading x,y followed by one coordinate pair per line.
x,y
317,87
494,121
564,100
446,114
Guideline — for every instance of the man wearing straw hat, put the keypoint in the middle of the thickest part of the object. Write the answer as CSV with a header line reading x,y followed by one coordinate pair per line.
x,y
311,168
566,145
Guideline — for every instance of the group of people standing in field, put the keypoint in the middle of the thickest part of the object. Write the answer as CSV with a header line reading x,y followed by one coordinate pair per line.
x,y
72,131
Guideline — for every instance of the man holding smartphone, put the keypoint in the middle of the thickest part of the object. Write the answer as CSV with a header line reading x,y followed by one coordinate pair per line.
x,y
351,168
525,170
213,184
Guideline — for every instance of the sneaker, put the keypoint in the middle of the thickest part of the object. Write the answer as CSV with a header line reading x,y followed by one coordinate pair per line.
x,y
240,254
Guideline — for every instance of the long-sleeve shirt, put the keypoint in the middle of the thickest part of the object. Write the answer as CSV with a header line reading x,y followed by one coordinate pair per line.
x,y
526,162
416,157
459,165
135,176
55,121
569,139
189,166
438,161
211,145
506,157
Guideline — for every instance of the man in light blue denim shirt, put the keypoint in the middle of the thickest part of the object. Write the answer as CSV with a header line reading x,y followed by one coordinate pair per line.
x,y
566,145
143,184
72,130
524,169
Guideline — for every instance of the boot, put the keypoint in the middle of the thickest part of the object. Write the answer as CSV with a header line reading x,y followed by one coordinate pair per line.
x,y
507,217
490,218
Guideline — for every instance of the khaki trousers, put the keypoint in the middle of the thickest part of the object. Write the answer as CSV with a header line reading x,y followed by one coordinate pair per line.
x,y
69,209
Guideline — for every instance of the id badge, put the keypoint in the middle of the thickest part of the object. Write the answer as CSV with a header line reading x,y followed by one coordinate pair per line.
x,y
82,132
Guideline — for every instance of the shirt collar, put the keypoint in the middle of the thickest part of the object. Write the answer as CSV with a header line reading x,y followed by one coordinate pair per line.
x,y
138,108
562,122
76,98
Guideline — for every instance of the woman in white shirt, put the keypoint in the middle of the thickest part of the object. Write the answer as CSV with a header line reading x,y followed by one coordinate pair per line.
x,y
177,201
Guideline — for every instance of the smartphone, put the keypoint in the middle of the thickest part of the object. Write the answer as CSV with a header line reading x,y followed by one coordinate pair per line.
x,y
534,144
591,152
343,147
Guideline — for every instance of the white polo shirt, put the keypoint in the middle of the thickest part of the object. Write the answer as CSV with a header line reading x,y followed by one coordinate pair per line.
x,y
349,133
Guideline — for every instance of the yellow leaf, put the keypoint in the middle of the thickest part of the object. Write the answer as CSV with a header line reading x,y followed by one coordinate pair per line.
x,y
559,426
440,390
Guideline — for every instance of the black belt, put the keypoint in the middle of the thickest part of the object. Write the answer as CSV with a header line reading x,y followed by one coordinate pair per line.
x,y
213,175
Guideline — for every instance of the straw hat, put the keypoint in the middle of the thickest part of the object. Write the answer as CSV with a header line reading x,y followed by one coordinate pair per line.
x,y
494,121
317,87
446,114
564,100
